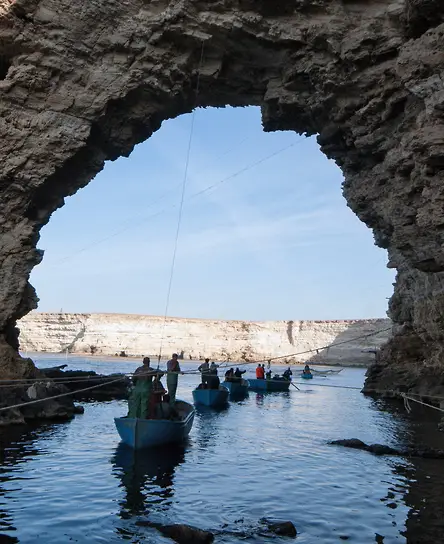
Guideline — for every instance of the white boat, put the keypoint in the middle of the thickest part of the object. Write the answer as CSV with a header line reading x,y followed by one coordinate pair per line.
x,y
141,433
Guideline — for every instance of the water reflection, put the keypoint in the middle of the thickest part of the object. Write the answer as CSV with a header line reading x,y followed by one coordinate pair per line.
x,y
207,426
17,444
147,477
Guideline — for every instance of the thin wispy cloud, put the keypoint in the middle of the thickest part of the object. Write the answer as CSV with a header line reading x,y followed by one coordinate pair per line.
x,y
270,242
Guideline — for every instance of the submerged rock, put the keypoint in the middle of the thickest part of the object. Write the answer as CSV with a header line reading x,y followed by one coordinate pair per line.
x,y
186,534
281,528
7,539
380,449
181,533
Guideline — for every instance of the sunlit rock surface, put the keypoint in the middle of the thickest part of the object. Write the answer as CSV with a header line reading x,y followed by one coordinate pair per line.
x,y
83,82
138,335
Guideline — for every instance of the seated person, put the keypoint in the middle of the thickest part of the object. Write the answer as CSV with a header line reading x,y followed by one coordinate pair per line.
x,y
287,374
213,382
238,373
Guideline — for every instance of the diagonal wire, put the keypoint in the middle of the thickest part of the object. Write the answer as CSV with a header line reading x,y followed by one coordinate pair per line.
x,y
182,199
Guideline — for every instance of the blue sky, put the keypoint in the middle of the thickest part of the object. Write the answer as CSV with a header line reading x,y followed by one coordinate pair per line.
x,y
275,240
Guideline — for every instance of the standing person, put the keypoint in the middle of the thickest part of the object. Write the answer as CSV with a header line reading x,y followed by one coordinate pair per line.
x,y
173,369
259,372
204,369
139,400
287,374
213,379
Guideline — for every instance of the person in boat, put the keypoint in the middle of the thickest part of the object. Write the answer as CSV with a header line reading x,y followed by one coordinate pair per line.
x,y
238,374
268,375
307,370
213,382
204,369
260,372
213,379
229,375
288,374
157,396
139,401
173,370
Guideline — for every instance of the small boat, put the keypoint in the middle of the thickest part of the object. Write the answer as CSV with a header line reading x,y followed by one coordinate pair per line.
x,y
237,389
307,376
213,398
275,384
145,433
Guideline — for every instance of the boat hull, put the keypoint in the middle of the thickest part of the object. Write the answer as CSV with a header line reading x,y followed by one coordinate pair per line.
x,y
146,433
269,385
307,376
237,389
213,398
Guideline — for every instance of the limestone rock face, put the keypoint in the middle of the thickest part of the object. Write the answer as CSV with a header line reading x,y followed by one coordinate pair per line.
x,y
139,335
83,82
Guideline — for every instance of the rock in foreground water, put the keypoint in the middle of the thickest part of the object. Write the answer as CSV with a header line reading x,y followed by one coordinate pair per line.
x,y
76,380
281,528
181,533
381,449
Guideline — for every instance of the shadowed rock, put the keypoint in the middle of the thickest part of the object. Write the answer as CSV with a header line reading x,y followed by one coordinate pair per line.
x,y
380,449
82,379
181,533
281,528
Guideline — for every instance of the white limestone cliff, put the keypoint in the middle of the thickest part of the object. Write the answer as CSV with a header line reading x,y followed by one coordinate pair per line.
x,y
137,335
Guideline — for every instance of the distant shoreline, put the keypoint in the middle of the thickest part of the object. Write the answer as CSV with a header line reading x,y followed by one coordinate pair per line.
x,y
138,358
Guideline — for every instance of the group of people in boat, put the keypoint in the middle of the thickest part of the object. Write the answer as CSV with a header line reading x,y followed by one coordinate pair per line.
x,y
209,377
149,398
234,375
262,375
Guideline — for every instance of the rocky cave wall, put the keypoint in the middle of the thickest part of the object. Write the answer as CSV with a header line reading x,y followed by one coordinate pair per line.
x,y
83,82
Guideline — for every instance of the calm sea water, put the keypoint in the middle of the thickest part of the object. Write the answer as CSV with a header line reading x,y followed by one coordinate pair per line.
x,y
266,456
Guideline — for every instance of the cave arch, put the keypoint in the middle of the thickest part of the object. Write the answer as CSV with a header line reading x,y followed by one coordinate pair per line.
x,y
86,82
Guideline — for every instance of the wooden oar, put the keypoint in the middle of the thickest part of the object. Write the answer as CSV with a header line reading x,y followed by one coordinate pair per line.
x,y
294,385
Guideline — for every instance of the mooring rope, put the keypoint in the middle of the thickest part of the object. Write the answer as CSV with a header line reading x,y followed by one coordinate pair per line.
x,y
182,197
408,398
60,395
221,366
310,350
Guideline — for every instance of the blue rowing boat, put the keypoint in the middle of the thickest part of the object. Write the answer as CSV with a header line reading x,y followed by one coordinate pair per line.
x,y
214,398
237,389
145,433
280,384
306,376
